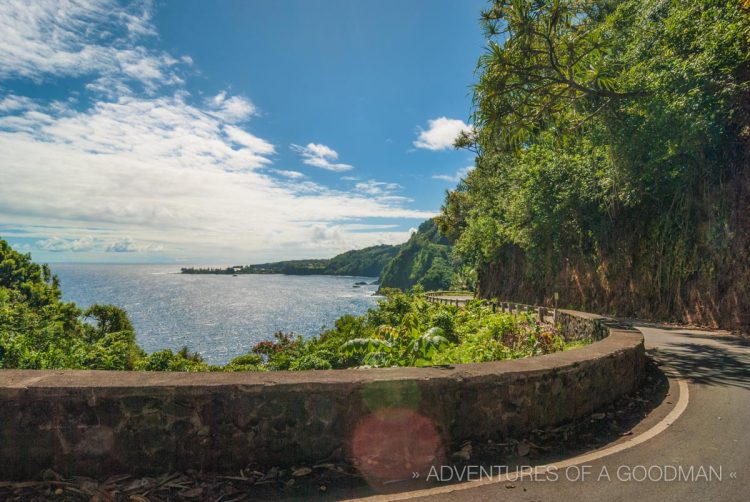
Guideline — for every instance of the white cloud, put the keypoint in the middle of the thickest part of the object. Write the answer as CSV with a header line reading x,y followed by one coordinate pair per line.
x,y
12,103
168,173
346,237
232,109
322,233
48,38
454,178
377,188
247,140
441,133
88,243
321,156
137,170
128,245
288,174
124,245
154,128
56,244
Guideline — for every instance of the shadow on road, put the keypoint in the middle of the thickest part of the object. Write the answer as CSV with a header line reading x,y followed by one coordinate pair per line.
x,y
709,364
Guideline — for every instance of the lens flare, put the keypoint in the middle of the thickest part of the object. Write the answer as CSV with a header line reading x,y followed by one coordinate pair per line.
x,y
394,443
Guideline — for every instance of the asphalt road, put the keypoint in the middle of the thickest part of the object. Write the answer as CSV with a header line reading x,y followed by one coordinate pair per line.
x,y
693,447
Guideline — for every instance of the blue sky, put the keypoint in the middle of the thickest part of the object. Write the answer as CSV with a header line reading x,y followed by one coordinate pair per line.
x,y
231,131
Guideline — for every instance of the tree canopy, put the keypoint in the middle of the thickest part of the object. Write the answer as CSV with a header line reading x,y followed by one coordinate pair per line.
x,y
612,144
424,260
40,331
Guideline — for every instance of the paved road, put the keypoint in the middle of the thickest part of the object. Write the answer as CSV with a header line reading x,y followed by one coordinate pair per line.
x,y
703,423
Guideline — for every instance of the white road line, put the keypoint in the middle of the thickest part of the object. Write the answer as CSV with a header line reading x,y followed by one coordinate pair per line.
x,y
660,427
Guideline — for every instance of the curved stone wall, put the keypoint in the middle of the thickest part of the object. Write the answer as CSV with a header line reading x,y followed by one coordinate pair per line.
x,y
102,422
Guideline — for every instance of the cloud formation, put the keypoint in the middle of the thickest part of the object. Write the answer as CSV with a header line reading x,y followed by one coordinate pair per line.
x,y
57,245
46,38
142,166
231,109
381,190
296,175
454,178
171,174
441,133
322,156
128,245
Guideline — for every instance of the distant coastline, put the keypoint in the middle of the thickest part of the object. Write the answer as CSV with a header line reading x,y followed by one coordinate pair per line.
x,y
265,269
367,262
424,260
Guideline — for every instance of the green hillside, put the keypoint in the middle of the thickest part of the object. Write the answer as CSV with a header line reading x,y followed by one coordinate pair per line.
x,y
367,262
424,260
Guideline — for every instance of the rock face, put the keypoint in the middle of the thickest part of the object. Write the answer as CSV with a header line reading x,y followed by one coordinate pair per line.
x,y
99,422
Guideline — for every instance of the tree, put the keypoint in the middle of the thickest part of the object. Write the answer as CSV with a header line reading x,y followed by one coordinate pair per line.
x,y
548,64
612,143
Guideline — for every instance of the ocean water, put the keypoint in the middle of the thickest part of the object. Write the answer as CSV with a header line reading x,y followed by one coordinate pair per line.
x,y
220,316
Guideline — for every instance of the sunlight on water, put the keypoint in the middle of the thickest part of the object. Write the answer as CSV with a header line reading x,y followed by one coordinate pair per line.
x,y
219,316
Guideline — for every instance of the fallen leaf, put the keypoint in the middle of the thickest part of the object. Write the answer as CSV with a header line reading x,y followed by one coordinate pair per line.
x,y
302,471
464,453
192,493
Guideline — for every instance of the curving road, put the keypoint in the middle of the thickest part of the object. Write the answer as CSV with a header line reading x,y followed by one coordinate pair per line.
x,y
693,447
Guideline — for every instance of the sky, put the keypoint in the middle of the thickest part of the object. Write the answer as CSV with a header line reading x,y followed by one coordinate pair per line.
x,y
229,131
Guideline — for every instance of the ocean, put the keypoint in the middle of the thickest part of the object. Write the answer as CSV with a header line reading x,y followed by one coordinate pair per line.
x,y
219,316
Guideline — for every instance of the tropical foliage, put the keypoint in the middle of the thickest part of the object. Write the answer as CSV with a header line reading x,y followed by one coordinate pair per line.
x,y
424,260
406,330
38,330
612,141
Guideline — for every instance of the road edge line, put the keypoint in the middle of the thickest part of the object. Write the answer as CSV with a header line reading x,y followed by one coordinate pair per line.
x,y
658,428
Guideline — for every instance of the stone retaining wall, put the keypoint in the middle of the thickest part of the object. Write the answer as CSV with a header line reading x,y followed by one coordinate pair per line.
x,y
102,422
582,326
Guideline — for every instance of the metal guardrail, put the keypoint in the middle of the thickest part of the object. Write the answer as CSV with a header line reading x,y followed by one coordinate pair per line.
x,y
542,314
458,300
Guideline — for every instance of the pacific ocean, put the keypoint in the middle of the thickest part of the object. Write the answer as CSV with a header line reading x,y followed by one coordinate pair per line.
x,y
219,316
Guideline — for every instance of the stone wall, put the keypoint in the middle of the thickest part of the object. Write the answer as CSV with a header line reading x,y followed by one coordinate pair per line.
x,y
582,326
100,422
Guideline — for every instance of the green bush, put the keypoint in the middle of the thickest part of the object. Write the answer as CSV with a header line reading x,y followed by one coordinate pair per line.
x,y
166,360
37,330
406,330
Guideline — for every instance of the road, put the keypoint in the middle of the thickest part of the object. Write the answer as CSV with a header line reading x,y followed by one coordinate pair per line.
x,y
702,424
